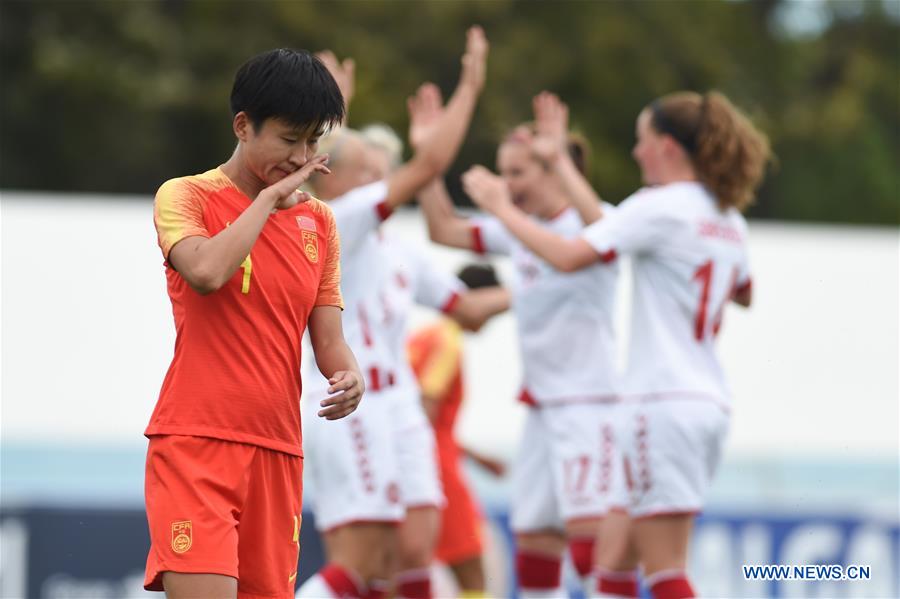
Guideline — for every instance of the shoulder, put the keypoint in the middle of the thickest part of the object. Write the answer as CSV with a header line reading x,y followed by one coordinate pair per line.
x,y
196,187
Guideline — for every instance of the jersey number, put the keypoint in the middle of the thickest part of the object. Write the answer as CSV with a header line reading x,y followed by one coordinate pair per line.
x,y
247,267
704,276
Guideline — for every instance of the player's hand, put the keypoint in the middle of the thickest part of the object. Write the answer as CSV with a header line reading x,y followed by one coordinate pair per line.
x,y
551,120
425,110
285,194
474,61
348,388
487,190
344,73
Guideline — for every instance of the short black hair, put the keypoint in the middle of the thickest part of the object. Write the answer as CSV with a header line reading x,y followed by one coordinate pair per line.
x,y
476,276
289,85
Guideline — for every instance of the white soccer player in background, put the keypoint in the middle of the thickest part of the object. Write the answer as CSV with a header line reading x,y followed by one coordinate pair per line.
x,y
565,468
354,466
701,160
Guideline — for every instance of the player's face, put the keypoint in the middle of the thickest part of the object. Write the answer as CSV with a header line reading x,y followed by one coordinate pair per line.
x,y
649,149
524,175
277,149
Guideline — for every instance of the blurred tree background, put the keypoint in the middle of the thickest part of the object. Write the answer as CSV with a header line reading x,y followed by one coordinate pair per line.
x,y
117,96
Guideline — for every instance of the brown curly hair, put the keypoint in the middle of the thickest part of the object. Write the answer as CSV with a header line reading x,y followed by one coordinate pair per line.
x,y
728,152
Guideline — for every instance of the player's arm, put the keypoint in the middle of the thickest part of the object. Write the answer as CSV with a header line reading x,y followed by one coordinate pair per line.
x,y
550,145
208,263
495,467
490,193
436,131
475,307
743,295
444,225
336,363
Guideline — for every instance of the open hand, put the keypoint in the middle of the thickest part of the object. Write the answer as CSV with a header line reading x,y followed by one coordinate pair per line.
x,y
348,389
487,190
425,111
551,120
344,73
474,61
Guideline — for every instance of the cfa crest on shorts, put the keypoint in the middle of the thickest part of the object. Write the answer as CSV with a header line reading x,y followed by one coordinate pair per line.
x,y
182,539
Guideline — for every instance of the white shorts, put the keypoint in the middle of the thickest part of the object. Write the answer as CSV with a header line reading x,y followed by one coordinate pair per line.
x,y
420,482
672,449
351,464
568,466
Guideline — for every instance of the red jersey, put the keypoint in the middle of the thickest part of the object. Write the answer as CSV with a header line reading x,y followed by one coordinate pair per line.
x,y
235,374
435,354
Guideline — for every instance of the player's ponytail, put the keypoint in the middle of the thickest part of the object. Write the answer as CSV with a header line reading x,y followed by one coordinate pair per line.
x,y
728,152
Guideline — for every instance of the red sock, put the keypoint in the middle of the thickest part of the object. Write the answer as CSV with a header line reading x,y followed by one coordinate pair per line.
x,y
617,584
378,589
670,584
582,552
340,580
538,571
414,584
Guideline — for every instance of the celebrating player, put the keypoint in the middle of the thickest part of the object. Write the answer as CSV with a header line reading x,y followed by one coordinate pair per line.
x,y
354,464
250,264
701,160
564,470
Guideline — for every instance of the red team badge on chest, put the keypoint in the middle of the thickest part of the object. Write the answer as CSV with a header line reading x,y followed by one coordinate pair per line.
x,y
309,237
181,536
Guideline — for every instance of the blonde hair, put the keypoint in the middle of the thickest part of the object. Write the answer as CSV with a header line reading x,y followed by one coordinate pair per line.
x,y
384,138
728,152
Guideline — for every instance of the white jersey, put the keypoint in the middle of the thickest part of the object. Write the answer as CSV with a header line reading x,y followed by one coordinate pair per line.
x,y
410,278
358,214
564,320
688,258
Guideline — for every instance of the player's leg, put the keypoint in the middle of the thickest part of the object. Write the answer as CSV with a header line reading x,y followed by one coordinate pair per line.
x,y
193,488
662,542
582,449
420,487
269,532
353,468
615,554
469,575
616,558
677,449
535,517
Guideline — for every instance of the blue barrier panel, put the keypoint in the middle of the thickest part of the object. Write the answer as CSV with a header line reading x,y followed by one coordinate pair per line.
x,y
50,552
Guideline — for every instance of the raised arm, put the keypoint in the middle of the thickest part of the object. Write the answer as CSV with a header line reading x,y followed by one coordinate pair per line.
x,y
490,193
208,263
344,74
441,142
550,145
444,225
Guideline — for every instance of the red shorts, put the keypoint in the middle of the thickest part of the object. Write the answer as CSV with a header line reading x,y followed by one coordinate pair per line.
x,y
218,507
460,536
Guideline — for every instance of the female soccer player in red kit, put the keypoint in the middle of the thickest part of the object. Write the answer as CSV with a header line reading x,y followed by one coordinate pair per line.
x,y
701,160
250,264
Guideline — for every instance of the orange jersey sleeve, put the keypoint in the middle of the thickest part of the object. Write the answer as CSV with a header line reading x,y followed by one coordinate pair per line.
x,y
329,293
435,355
178,212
